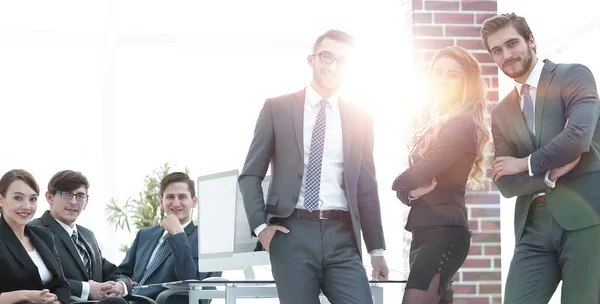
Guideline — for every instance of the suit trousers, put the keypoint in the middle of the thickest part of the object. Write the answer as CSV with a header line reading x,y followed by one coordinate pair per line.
x,y
547,254
318,255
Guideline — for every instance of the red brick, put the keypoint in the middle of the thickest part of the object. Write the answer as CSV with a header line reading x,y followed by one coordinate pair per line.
x,y
470,44
483,57
441,5
476,250
463,31
482,276
456,277
487,225
454,18
494,82
477,263
479,5
470,300
422,18
482,198
480,17
464,289
492,250
474,225
497,263
432,44
485,237
485,212
490,288
428,31
417,5
497,300
489,69
492,95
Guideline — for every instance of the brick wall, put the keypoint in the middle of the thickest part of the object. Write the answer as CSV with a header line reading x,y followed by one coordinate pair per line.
x,y
436,24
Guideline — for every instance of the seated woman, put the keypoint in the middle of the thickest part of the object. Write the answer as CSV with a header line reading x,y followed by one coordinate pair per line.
x,y
29,265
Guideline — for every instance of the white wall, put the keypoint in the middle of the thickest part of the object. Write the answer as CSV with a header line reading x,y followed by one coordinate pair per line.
x,y
114,89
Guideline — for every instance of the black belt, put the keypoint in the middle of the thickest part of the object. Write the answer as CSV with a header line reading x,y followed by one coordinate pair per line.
x,y
321,214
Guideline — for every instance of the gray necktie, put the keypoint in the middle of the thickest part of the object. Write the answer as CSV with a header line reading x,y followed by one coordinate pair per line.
x,y
528,109
85,256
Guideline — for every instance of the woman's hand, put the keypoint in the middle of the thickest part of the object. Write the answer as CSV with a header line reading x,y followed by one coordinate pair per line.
x,y
423,189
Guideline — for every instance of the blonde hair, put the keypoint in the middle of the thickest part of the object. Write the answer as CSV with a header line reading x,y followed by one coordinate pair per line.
x,y
474,103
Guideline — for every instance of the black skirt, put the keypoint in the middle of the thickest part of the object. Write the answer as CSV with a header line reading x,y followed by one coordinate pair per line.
x,y
433,250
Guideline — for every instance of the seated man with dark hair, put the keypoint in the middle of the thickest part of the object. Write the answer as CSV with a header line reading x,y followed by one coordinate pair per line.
x,y
90,276
169,251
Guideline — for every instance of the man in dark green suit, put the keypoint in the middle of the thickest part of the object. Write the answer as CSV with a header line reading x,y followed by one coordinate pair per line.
x,y
547,153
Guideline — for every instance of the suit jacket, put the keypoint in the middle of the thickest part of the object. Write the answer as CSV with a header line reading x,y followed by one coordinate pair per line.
x,y
565,92
180,264
278,141
73,268
449,160
17,270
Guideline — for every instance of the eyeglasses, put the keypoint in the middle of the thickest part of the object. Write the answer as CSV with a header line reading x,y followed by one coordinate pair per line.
x,y
80,197
330,58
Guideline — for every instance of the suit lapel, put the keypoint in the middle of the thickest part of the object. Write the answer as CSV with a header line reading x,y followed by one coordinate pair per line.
x,y
47,254
55,227
17,250
518,121
540,98
151,241
297,104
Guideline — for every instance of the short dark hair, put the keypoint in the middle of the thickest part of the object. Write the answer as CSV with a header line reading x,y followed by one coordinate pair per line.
x,y
337,35
177,177
17,174
493,24
67,180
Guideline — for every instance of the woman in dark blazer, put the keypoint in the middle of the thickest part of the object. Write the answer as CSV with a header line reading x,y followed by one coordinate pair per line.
x,y
447,156
29,265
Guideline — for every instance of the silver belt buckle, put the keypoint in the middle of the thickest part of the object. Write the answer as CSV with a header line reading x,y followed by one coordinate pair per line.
x,y
321,217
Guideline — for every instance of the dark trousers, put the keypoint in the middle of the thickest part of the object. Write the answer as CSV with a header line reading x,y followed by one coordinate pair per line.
x,y
547,254
318,255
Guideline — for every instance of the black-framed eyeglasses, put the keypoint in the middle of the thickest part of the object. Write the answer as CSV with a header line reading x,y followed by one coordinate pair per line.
x,y
80,197
330,58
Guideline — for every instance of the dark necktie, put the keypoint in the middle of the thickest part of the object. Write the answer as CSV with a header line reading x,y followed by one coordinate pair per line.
x,y
85,256
315,160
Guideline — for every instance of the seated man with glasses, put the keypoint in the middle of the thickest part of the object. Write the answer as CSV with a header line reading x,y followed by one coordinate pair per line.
x,y
90,276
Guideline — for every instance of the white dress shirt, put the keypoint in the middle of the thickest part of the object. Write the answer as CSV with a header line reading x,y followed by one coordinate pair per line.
x,y
85,286
331,194
45,274
533,82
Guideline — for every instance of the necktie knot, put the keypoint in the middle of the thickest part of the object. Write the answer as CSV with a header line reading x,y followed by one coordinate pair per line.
x,y
323,103
525,89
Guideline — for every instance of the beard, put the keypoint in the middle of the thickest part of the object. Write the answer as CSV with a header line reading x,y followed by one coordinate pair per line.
x,y
328,84
527,61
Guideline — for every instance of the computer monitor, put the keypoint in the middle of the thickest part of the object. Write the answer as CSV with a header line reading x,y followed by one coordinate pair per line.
x,y
224,239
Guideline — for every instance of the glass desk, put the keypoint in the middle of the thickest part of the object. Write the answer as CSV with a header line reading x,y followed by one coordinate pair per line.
x,y
233,290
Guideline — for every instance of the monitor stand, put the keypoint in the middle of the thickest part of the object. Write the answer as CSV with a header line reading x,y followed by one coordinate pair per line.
x,y
249,274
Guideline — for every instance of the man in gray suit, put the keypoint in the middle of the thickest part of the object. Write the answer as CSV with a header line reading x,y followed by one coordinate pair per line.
x,y
323,189
547,145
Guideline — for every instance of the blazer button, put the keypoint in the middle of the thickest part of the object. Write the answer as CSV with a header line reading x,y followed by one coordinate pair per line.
x,y
300,176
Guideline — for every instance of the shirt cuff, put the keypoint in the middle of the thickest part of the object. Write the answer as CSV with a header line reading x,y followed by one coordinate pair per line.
x,y
376,253
85,291
259,229
548,182
529,165
125,293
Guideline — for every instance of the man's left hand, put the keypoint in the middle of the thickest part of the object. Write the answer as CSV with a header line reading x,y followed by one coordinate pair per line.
x,y
380,268
507,165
